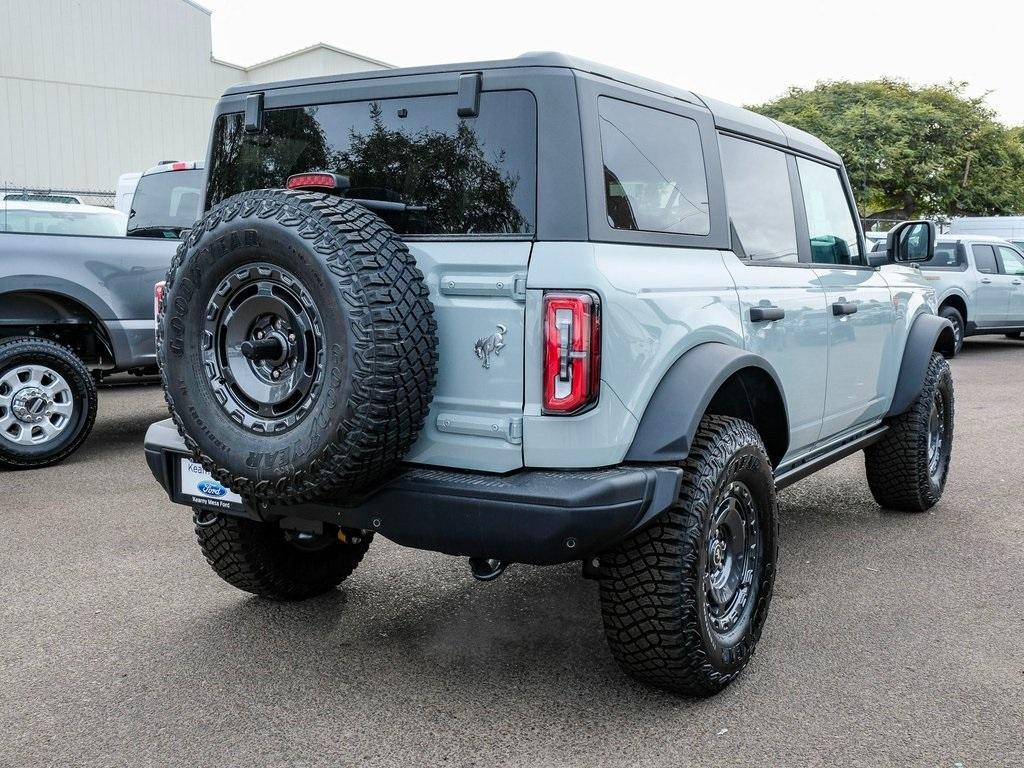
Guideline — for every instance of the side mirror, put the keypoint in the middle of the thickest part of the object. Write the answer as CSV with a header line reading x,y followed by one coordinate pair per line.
x,y
911,241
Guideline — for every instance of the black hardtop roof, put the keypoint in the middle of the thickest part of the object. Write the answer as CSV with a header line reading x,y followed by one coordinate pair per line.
x,y
727,117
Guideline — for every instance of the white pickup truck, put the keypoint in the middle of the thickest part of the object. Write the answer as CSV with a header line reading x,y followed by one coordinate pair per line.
x,y
979,283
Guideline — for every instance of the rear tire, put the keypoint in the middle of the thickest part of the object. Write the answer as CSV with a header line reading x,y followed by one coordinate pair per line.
x,y
957,320
1013,335
47,403
908,467
268,561
673,614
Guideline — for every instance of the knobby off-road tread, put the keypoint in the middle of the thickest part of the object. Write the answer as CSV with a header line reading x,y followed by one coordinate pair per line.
x,y
26,349
255,557
650,582
393,323
897,465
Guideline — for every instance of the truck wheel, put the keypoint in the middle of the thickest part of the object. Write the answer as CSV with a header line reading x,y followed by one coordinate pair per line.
x,y
269,561
47,403
297,344
956,319
907,468
684,600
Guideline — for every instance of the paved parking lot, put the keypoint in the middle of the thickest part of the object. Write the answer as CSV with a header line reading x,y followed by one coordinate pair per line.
x,y
893,640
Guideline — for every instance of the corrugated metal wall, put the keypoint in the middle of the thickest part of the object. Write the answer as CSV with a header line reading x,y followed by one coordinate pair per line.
x,y
91,89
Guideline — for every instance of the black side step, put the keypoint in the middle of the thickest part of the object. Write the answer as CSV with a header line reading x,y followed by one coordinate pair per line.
x,y
812,464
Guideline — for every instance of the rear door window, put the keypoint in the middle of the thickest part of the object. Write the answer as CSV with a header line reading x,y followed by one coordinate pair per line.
x,y
447,175
984,259
654,176
830,223
1013,263
760,200
947,256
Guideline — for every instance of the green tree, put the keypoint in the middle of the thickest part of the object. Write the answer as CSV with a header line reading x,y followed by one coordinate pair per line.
x,y
913,151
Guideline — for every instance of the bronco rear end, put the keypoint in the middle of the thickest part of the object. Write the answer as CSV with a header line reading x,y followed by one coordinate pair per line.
x,y
471,169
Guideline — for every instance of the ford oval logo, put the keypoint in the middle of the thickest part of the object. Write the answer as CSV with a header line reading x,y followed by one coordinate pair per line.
x,y
212,488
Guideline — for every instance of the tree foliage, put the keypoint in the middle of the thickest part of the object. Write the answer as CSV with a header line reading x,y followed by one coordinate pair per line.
x,y
913,151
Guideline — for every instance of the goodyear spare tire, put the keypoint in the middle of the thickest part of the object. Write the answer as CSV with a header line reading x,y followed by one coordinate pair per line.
x,y
297,345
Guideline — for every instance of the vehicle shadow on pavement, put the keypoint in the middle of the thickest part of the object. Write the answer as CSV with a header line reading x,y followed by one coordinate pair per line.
x,y
537,631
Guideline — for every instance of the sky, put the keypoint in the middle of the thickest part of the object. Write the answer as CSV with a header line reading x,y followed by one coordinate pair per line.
x,y
740,52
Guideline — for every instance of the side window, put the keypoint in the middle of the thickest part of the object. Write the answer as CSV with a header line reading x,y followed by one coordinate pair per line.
x,y
1013,263
830,221
760,200
947,256
654,178
985,259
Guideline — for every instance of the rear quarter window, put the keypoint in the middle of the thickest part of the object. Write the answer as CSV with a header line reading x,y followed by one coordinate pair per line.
x,y
654,175
947,256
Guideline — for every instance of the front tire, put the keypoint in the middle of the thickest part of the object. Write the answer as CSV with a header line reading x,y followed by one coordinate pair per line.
x,y
957,321
685,599
271,562
47,403
908,467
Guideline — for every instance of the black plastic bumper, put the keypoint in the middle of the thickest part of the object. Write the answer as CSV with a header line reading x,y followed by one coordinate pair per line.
x,y
530,516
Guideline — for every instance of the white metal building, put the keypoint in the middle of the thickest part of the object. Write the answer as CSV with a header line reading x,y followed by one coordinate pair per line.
x,y
90,89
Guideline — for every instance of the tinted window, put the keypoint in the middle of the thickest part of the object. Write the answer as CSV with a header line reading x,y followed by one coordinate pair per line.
x,y
984,259
654,176
947,256
456,176
760,201
165,203
1013,263
69,221
830,221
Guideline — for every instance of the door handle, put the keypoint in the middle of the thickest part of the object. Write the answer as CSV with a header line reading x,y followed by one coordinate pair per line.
x,y
765,314
986,279
1016,282
844,308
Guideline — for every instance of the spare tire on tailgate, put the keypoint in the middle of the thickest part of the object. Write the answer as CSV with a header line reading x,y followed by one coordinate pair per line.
x,y
297,344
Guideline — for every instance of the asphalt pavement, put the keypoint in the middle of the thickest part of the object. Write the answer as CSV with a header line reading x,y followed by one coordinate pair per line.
x,y
893,639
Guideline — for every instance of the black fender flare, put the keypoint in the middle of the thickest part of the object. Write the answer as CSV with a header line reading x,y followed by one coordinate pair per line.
x,y
928,333
683,395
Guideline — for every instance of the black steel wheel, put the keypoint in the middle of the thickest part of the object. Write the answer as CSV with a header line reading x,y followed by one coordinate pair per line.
x,y
263,347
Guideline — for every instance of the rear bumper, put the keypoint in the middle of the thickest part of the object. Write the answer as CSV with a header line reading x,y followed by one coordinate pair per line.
x,y
530,516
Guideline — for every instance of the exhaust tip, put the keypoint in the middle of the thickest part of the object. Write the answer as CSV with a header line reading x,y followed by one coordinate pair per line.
x,y
486,569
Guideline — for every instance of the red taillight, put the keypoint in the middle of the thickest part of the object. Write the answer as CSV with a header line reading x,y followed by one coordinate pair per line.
x,y
572,351
158,296
322,181
181,166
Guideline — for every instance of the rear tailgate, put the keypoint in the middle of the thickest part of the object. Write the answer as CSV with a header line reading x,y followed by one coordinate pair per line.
x,y
479,292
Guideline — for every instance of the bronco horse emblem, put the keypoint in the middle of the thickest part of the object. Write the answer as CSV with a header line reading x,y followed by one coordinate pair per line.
x,y
490,345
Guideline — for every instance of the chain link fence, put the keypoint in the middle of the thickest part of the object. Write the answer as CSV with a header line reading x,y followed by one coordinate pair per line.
x,y
99,197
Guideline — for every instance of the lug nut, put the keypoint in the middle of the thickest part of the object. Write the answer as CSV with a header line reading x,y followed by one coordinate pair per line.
x,y
291,337
259,334
276,374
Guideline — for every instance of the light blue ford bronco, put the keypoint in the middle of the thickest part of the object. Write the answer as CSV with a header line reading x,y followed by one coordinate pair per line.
x,y
538,311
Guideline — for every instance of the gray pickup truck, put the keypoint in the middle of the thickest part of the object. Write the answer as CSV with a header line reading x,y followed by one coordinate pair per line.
x,y
76,303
